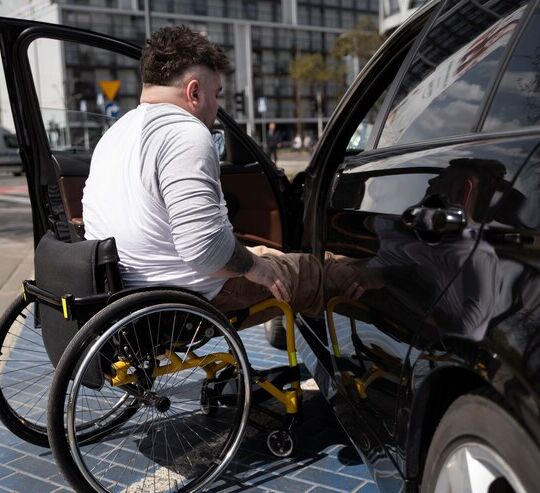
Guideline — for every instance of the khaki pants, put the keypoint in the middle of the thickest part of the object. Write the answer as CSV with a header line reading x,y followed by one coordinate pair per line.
x,y
304,271
312,285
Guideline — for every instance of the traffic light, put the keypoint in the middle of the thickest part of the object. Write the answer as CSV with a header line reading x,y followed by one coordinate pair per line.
x,y
240,102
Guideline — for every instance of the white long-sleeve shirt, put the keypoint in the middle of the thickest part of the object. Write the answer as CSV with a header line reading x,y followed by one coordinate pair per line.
x,y
154,185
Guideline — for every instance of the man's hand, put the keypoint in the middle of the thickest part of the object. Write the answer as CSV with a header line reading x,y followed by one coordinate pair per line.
x,y
264,272
258,270
354,291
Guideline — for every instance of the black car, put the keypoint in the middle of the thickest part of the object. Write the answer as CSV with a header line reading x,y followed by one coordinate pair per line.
x,y
9,152
434,372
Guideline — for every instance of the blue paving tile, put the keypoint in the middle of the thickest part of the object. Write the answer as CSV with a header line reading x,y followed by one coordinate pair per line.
x,y
26,447
329,463
21,483
8,454
35,466
8,438
369,488
321,489
323,462
287,484
236,489
360,470
327,478
58,478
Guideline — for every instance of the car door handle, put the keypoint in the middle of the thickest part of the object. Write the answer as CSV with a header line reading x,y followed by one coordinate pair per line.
x,y
448,219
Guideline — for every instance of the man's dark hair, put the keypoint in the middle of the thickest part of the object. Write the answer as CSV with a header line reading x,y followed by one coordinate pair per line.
x,y
169,52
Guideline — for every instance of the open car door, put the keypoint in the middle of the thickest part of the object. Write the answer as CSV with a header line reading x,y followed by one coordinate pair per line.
x,y
54,74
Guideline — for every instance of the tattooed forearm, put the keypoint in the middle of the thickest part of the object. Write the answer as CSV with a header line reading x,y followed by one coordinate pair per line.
x,y
241,260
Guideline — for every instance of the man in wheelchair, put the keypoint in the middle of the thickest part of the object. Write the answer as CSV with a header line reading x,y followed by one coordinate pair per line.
x,y
151,386
154,186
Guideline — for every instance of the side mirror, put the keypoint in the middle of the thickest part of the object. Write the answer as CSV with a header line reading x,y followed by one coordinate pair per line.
x,y
218,136
433,218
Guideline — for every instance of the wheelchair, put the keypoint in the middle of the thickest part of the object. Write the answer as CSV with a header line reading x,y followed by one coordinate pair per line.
x,y
133,389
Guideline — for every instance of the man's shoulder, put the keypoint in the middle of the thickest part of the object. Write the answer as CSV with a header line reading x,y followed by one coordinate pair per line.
x,y
170,122
170,114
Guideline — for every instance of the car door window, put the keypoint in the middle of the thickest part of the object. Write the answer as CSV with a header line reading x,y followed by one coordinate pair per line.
x,y
443,89
520,209
81,98
360,137
6,118
517,101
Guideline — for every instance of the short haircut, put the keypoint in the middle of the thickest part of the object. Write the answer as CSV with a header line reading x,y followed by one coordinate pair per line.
x,y
171,51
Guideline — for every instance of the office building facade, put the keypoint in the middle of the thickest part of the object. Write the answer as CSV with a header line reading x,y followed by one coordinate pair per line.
x,y
392,13
261,37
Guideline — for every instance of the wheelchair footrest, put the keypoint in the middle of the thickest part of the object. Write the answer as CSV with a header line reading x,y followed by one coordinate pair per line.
x,y
278,376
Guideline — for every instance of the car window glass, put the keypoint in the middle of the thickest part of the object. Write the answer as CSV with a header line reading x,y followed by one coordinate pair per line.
x,y
392,194
521,206
368,188
443,88
9,147
517,101
82,97
6,117
361,135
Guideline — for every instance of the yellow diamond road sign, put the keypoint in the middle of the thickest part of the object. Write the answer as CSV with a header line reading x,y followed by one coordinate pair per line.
x,y
109,88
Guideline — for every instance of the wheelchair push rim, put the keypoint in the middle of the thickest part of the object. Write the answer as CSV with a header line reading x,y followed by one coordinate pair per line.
x,y
25,373
163,410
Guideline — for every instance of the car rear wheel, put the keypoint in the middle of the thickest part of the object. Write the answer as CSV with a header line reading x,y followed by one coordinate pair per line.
x,y
479,448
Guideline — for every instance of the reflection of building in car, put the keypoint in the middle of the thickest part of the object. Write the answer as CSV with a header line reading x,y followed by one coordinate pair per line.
x,y
428,256
453,87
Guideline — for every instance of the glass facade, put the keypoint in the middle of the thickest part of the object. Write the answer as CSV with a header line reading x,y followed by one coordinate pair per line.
x,y
274,45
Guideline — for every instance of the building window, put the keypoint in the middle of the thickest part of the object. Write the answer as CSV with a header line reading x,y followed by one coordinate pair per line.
x,y
331,17
266,11
391,7
215,8
303,15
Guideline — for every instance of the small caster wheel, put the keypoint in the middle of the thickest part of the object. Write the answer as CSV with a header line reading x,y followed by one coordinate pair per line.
x,y
208,400
281,443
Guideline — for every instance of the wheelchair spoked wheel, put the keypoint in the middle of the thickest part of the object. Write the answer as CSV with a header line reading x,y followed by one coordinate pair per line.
x,y
26,373
144,344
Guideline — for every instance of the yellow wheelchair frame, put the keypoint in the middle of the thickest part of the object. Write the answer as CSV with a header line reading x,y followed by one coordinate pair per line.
x,y
213,363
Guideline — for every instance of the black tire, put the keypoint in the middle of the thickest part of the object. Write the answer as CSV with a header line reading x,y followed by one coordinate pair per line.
x,y
281,443
25,374
169,404
275,333
209,400
479,427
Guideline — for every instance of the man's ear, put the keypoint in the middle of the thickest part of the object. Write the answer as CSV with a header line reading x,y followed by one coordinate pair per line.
x,y
192,91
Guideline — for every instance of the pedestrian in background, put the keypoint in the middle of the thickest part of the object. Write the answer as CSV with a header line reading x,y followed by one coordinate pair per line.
x,y
297,143
308,143
273,141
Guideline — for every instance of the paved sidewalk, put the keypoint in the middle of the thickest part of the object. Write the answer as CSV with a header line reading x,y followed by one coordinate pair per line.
x,y
325,461
292,162
16,266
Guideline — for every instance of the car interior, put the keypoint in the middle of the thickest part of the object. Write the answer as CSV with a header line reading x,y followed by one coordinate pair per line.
x,y
252,204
